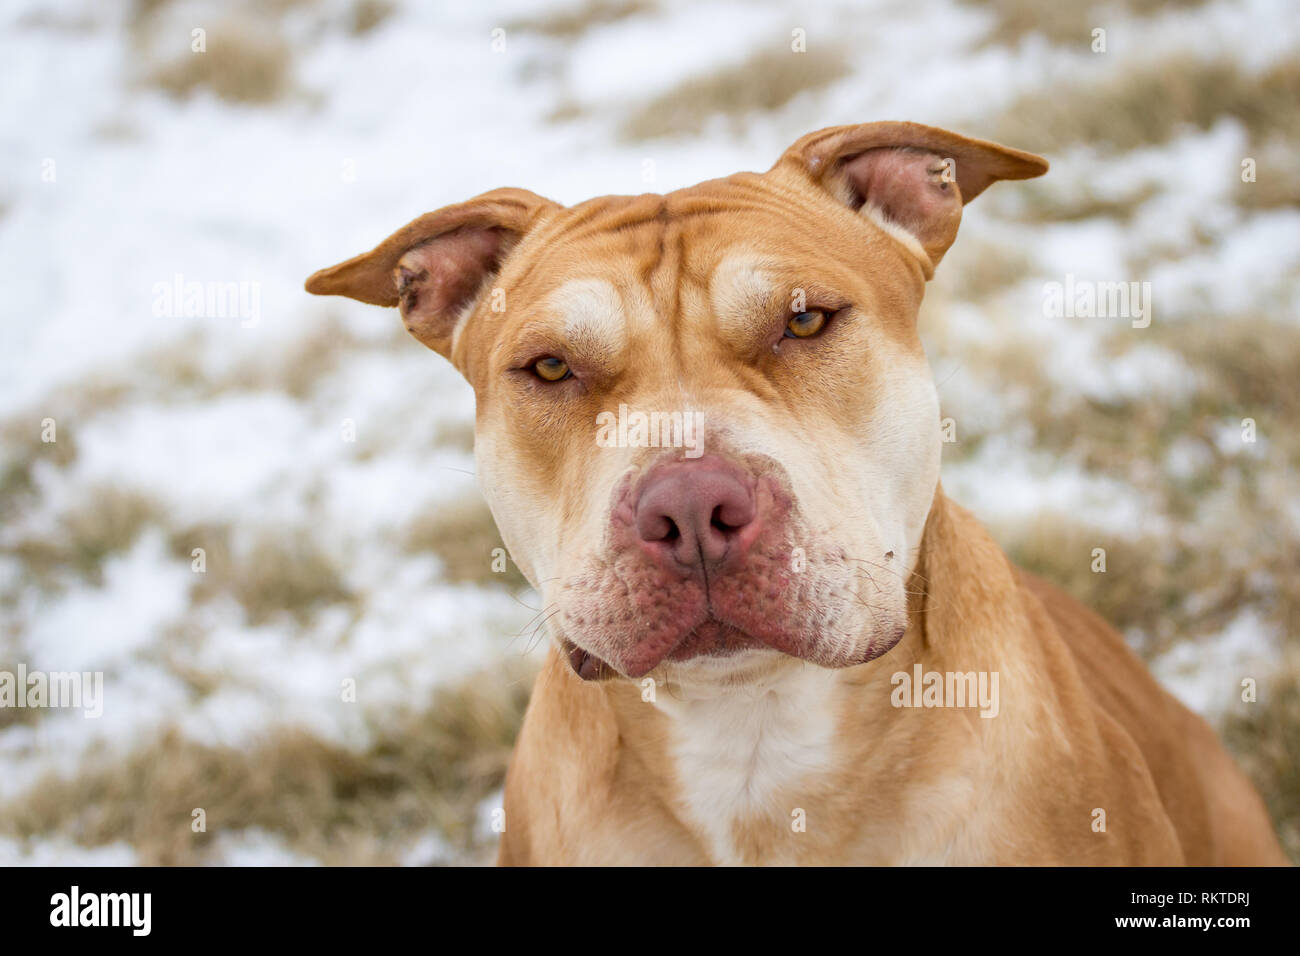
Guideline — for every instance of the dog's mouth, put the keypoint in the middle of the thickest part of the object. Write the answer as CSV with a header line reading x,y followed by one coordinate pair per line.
x,y
710,638
585,664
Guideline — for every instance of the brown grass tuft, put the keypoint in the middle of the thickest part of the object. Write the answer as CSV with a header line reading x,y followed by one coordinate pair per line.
x,y
767,80
1265,738
1182,456
429,769
1150,102
366,15
13,716
1277,178
1065,23
1043,201
571,23
107,520
296,369
1138,590
244,63
463,535
20,440
976,269
278,572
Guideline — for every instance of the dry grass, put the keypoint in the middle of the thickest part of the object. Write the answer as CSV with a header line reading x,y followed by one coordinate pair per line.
x,y
14,716
1043,201
366,15
1250,362
428,769
1264,736
1242,367
107,520
1150,102
248,59
20,439
1163,590
1217,497
1277,178
976,269
1145,587
296,370
767,80
1138,591
177,374
243,63
463,535
1066,23
570,23
458,435
278,572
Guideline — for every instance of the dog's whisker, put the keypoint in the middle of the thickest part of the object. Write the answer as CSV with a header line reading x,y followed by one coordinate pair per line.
x,y
538,630
515,598
520,633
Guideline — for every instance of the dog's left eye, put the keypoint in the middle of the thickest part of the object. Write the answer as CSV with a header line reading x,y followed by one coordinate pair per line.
x,y
806,324
551,369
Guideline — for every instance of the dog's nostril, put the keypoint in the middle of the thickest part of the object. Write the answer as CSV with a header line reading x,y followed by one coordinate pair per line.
x,y
719,522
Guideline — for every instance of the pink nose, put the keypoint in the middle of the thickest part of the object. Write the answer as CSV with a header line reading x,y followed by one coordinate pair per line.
x,y
697,512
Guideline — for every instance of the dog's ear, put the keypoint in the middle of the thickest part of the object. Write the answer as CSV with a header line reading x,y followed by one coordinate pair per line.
x,y
436,267
907,176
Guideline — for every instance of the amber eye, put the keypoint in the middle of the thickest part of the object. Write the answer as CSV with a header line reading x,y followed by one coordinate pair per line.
x,y
805,325
551,369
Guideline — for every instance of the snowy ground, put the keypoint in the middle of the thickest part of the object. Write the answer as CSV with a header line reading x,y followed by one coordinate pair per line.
x,y
322,461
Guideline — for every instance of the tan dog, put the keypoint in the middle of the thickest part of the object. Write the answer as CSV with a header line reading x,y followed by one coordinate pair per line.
x,y
710,438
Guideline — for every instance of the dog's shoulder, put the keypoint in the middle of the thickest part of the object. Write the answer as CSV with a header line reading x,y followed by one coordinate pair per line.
x,y
1214,810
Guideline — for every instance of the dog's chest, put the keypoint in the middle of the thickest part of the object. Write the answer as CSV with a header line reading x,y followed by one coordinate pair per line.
x,y
742,759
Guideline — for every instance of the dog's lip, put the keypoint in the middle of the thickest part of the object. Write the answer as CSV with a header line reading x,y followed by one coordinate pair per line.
x,y
586,664
712,637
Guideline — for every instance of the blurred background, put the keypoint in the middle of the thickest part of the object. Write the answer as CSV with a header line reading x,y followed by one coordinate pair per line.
x,y
320,460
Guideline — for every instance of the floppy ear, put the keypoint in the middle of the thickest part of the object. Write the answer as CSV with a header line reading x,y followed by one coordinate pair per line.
x,y
907,176
436,267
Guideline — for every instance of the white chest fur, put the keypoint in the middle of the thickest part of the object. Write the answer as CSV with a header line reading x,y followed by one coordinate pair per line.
x,y
744,752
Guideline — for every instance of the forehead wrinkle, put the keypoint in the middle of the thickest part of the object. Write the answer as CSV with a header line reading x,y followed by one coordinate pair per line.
x,y
741,291
592,314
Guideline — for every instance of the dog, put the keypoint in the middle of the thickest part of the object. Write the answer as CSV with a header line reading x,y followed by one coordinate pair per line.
x,y
769,634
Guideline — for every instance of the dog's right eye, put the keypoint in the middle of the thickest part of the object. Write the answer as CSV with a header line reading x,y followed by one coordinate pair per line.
x,y
805,325
551,369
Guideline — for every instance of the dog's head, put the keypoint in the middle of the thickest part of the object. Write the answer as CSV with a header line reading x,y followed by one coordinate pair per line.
x,y
706,426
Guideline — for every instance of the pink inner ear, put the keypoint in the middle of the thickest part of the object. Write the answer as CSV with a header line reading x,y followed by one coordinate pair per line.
x,y
910,187
438,278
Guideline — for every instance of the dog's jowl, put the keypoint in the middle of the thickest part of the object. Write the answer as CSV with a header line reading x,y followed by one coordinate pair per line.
x,y
710,438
